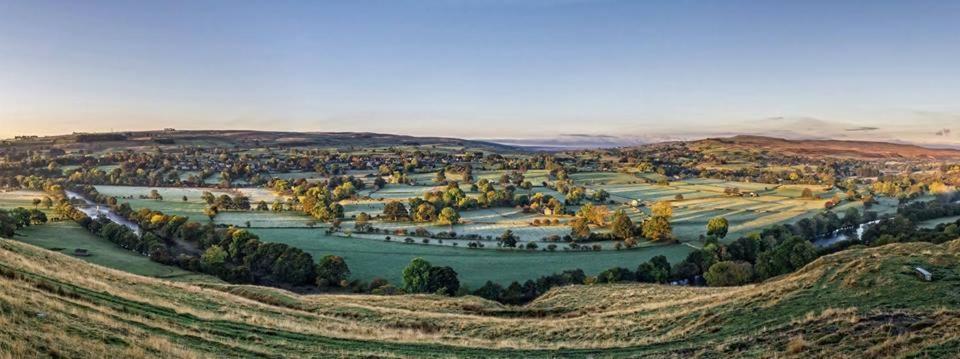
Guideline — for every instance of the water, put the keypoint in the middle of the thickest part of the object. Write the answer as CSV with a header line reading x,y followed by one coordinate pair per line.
x,y
94,211
842,235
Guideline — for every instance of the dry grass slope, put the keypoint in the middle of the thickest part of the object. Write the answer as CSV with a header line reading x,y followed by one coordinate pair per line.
x,y
860,302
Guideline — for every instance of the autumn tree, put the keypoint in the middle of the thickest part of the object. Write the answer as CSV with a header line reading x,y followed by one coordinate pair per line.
x,y
718,226
657,227
622,226
395,211
580,228
448,216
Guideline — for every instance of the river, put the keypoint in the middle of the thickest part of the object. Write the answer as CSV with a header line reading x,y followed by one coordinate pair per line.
x,y
842,235
94,211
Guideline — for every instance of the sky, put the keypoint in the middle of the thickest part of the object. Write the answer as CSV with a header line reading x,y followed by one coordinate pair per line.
x,y
485,68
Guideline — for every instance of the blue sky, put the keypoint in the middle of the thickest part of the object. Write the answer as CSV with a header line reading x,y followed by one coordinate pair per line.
x,y
482,68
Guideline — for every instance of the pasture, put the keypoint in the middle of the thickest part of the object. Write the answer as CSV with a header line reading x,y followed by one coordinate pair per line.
x,y
369,258
702,199
19,198
66,236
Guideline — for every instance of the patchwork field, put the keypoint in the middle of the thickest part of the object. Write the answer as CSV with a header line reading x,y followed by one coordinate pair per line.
x,y
370,256
703,199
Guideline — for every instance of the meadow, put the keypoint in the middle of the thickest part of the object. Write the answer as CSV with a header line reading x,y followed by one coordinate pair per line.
x,y
67,236
703,199
370,258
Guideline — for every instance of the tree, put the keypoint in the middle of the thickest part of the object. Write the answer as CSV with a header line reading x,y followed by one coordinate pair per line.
x,y
806,193
214,258
656,270
508,239
601,195
615,275
362,222
395,211
20,216
37,217
47,202
580,228
331,271
793,253
744,249
490,290
662,209
448,216
8,227
556,206
594,214
729,273
622,226
211,211
718,226
425,212
442,280
416,276
657,228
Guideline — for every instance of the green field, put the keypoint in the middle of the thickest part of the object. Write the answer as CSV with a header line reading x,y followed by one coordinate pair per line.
x,y
67,236
934,222
704,199
369,258
20,198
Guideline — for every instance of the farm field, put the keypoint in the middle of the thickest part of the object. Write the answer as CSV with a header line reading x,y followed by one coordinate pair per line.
x,y
19,198
66,236
176,194
370,258
194,211
703,199
934,222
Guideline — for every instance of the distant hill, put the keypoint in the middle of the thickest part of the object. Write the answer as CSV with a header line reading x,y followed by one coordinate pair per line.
x,y
244,138
830,148
862,302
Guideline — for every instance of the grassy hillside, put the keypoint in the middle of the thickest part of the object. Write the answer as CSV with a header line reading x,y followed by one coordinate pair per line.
x,y
860,302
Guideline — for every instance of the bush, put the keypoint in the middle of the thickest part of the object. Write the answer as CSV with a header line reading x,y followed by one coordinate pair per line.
x,y
729,273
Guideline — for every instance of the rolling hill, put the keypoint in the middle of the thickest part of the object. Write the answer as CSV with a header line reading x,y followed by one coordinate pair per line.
x,y
863,302
831,148
242,138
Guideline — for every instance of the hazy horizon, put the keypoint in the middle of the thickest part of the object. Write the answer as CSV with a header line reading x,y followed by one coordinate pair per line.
x,y
486,69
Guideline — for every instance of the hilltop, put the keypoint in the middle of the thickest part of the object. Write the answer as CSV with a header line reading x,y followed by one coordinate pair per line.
x,y
856,303
867,150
